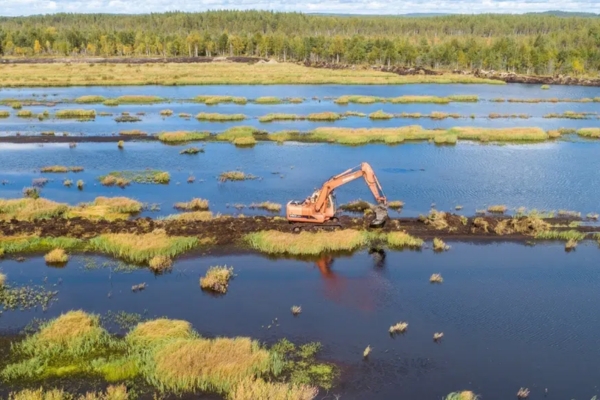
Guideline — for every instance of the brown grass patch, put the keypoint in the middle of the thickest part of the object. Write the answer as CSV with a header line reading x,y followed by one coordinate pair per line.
x,y
217,279
196,204
57,256
160,263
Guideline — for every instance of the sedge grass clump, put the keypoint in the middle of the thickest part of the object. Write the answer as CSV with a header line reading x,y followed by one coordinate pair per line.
x,y
357,206
561,235
106,208
75,113
500,134
464,395
110,180
464,98
324,116
380,114
192,150
31,209
436,278
439,245
141,248
57,256
120,144
68,183
25,114
358,99
90,99
166,113
219,117
437,336
182,136
60,169
133,132
571,244
161,330
4,114
248,141
419,99
41,394
268,100
196,204
159,264
138,99
191,216
395,205
31,192
146,176
497,209
403,240
398,328
2,276
215,99
367,351
267,205
545,87
279,117
235,176
296,310
253,389
306,243
217,279
589,132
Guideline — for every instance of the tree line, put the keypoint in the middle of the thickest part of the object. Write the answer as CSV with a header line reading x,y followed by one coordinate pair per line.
x,y
531,43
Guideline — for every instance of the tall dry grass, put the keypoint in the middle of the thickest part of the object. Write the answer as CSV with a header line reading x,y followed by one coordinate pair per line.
x,y
307,243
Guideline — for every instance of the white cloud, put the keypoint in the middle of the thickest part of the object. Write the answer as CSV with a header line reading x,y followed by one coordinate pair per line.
x,y
28,7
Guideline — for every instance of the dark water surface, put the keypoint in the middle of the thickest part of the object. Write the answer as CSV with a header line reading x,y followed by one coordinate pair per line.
x,y
550,176
179,98
512,315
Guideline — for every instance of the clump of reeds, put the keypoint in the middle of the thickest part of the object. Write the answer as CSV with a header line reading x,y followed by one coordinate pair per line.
x,y
192,150
60,169
110,102
80,184
31,192
367,351
279,117
589,132
195,204
569,214
220,117
471,98
138,99
295,100
159,330
439,245
267,205
192,216
268,100
166,113
25,114
68,183
324,116
296,310
47,133
464,395
561,235
57,256
275,242
523,393
75,113
436,278
30,209
133,132
499,134
354,114
120,144
40,182
185,115
398,328
127,118
182,136
212,100
498,209
436,219
357,206
90,99
437,336
253,389
380,114
592,216
217,279
159,263
4,114
402,239
395,205
571,244
110,180
246,141
235,176
545,87
2,276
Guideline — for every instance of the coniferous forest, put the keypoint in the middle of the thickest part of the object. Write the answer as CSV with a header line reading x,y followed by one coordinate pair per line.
x,y
530,43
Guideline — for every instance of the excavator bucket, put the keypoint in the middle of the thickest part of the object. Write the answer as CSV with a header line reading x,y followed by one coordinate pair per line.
x,y
381,215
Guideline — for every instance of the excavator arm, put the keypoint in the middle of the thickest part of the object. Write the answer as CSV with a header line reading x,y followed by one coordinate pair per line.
x,y
365,171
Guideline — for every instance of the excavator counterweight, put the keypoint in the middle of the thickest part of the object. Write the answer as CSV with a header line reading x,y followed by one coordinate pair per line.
x,y
320,207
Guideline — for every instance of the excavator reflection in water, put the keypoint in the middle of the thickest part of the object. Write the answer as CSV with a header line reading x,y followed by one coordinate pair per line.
x,y
351,292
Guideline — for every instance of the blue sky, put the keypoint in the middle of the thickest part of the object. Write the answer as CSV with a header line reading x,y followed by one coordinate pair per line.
x,y
28,7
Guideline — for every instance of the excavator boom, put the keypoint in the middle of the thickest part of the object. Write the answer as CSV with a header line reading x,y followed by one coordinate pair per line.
x,y
320,207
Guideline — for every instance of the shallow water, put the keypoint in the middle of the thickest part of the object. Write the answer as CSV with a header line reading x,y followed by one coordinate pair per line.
x,y
512,315
548,176
179,97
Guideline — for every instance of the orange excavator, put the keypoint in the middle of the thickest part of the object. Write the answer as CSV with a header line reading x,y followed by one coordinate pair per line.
x,y
319,208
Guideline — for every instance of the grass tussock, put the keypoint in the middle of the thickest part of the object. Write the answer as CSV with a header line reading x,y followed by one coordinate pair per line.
x,y
395,205
307,243
500,134
196,204
4,114
216,117
268,100
31,209
440,245
279,117
138,99
253,389
121,144
110,180
146,176
561,235
106,208
403,240
367,351
192,216
133,132
142,248
436,278
150,333
497,209
57,256
90,99
244,141
267,205
357,99
40,394
589,132
25,114
75,113
60,169
380,114
235,176
464,395
159,264
166,113
217,279
213,100
182,136
398,328
324,116
296,310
